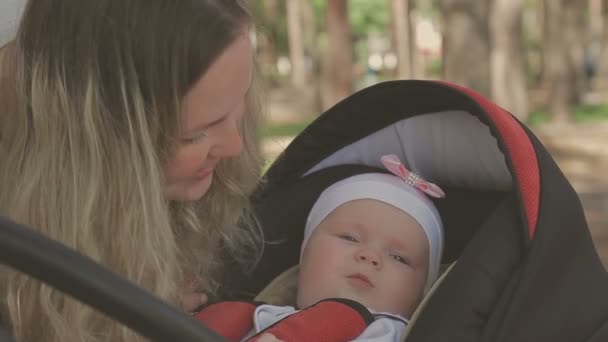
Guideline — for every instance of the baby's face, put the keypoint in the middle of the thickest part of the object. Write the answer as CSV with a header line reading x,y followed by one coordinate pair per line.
x,y
367,251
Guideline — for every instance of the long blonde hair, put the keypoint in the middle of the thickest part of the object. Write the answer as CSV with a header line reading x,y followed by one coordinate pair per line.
x,y
86,126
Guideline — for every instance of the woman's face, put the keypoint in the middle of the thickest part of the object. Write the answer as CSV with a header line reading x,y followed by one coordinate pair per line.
x,y
212,110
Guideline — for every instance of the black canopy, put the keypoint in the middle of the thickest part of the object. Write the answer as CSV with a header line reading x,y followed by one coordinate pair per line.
x,y
527,269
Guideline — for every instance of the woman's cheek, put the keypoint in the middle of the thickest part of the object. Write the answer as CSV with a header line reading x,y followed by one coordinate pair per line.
x,y
185,163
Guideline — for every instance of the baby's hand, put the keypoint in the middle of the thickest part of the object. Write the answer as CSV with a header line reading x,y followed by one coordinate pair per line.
x,y
267,337
190,301
190,298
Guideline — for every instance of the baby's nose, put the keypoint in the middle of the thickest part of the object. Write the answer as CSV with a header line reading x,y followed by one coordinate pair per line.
x,y
369,256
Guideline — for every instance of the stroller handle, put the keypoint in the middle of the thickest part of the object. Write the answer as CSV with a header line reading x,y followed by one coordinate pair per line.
x,y
89,282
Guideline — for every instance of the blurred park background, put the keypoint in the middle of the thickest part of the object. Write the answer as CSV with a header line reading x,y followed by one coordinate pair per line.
x,y
546,61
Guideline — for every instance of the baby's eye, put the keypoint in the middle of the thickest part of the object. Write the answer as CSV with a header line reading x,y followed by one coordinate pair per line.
x,y
348,237
400,259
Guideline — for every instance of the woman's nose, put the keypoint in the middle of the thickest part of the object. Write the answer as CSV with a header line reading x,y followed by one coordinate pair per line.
x,y
230,142
368,255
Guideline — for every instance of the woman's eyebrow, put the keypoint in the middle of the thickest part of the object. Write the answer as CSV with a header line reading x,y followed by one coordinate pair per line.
x,y
207,124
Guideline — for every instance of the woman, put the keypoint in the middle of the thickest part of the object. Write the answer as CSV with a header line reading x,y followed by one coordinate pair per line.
x,y
128,133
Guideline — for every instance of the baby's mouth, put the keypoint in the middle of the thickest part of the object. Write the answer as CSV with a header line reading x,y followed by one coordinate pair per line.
x,y
361,280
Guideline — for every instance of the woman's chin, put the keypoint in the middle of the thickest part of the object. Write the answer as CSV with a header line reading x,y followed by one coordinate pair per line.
x,y
191,192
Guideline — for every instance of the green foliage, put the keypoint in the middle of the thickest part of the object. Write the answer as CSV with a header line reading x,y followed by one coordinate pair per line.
x,y
275,28
435,67
584,113
283,130
364,15
368,16
319,7
427,8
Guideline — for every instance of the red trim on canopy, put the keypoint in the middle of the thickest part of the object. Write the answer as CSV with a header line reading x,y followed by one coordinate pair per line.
x,y
521,151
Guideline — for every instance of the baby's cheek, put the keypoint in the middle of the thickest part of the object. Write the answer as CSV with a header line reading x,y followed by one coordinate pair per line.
x,y
326,256
400,300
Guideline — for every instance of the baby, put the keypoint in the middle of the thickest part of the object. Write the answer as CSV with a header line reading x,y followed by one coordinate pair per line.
x,y
372,248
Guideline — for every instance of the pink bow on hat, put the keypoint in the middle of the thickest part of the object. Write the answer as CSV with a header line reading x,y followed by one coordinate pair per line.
x,y
395,166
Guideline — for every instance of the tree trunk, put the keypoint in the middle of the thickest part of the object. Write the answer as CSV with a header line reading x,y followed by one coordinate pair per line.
x,y
595,18
577,38
558,72
402,37
466,45
601,79
539,30
592,57
509,89
339,63
418,59
311,52
296,43
266,37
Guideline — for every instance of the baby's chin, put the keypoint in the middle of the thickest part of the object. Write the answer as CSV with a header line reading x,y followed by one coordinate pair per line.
x,y
376,306
306,302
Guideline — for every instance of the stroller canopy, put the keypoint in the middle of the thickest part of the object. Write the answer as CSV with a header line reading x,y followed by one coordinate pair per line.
x,y
527,269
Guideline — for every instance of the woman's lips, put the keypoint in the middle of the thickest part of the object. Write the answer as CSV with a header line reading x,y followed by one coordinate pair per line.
x,y
204,173
360,280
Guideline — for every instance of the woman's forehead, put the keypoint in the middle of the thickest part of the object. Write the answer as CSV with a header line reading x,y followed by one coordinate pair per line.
x,y
222,88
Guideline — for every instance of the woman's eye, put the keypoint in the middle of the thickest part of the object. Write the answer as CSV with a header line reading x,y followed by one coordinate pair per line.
x,y
196,139
205,132
348,237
